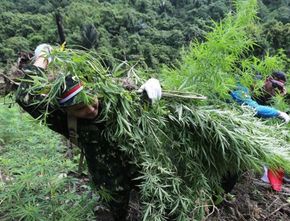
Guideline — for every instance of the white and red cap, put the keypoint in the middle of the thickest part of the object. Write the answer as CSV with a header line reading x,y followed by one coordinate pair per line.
x,y
70,91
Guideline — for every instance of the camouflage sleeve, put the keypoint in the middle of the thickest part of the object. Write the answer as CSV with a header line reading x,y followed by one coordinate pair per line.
x,y
33,103
29,96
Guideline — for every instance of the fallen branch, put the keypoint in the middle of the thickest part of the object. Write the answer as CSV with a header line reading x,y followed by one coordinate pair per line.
x,y
285,190
185,95
6,77
240,215
281,207
272,204
259,183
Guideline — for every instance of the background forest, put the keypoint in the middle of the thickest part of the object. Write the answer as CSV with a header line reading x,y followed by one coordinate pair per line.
x,y
152,31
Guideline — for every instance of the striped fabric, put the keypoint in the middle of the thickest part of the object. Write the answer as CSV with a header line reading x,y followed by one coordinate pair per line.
x,y
71,93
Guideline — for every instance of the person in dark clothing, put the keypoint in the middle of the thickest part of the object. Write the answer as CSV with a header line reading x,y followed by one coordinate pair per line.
x,y
260,104
260,101
243,97
274,84
109,167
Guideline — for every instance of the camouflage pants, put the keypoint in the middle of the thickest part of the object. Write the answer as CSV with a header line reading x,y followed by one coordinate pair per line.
x,y
109,168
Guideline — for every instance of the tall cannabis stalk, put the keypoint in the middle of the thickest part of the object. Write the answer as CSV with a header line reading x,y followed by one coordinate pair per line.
x,y
212,64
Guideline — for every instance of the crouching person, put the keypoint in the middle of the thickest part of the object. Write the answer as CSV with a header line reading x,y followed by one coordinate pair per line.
x,y
109,167
274,84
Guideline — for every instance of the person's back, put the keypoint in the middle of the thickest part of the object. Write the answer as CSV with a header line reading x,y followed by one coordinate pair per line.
x,y
109,167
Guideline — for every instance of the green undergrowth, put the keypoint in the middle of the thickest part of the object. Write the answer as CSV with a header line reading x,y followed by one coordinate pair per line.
x,y
33,174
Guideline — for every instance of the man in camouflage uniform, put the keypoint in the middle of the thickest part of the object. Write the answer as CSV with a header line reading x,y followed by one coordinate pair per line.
x,y
109,167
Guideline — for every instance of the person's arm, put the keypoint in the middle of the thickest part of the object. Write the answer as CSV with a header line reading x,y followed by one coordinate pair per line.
x,y
29,101
242,96
266,111
28,98
41,62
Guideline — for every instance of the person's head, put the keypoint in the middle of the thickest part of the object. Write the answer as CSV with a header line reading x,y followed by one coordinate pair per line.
x,y
70,99
276,83
279,76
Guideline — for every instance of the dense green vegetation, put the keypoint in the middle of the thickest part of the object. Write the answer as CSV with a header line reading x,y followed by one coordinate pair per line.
x,y
144,30
34,181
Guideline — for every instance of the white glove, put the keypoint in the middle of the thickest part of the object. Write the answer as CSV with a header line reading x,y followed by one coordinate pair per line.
x,y
43,50
284,116
152,88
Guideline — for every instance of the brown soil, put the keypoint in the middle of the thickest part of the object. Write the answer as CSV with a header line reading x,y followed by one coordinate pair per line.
x,y
252,199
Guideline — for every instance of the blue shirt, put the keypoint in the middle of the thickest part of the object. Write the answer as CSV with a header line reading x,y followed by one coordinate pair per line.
x,y
242,96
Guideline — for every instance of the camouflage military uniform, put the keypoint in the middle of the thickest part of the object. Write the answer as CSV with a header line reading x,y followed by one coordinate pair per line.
x,y
109,167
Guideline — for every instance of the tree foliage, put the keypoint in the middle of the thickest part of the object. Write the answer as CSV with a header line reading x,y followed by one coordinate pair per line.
x,y
148,30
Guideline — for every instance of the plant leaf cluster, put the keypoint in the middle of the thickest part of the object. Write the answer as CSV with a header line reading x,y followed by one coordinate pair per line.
x,y
213,67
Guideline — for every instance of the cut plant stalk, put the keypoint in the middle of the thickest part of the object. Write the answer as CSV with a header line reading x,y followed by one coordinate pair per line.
x,y
182,95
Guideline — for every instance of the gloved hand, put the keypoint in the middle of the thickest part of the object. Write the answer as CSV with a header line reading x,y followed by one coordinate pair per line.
x,y
43,50
152,88
284,116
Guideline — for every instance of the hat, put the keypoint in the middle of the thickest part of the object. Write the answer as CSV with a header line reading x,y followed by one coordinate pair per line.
x,y
43,49
69,92
279,75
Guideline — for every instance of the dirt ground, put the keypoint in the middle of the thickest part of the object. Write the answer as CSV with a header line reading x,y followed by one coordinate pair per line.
x,y
251,199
